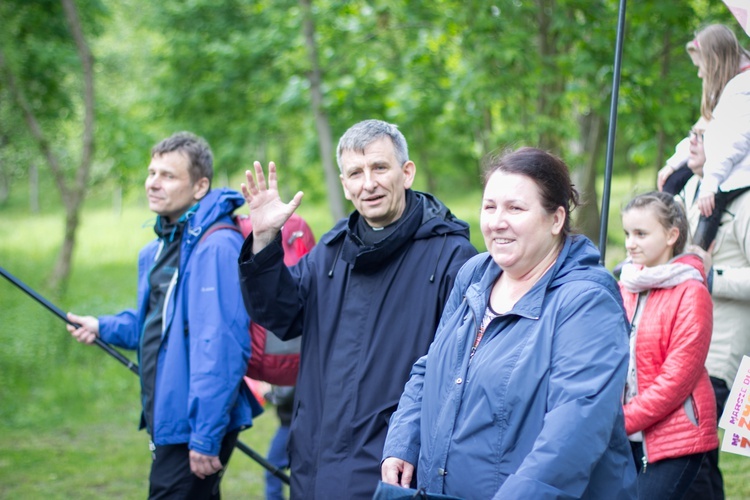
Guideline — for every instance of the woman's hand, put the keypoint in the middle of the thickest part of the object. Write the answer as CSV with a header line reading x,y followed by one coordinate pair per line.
x,y
394,468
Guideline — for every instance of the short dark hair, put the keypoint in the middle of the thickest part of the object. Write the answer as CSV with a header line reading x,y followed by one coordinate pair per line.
x,y
549,173
195,148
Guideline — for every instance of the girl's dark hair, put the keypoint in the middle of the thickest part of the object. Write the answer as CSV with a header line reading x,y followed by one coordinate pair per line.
x,y
668,212
549,173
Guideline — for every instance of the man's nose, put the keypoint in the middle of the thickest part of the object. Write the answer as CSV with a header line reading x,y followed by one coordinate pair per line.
x,y
370,182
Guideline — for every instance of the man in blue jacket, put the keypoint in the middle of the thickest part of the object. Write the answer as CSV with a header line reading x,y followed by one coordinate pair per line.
x,y
366,301
190,327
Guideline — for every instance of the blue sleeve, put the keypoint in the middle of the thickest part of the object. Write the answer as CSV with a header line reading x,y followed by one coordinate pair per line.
x,y
403,439
584,399
120,330
219,340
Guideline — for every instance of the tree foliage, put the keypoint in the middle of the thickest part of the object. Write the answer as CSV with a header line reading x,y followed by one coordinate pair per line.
x,y
461,78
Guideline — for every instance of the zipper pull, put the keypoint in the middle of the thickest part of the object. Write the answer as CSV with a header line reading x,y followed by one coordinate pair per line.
x,y
645,463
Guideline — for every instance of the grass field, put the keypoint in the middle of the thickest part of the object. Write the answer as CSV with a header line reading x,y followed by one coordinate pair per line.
x,y
69,413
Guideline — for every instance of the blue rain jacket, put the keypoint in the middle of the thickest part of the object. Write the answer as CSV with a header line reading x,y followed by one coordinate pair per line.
x,y
200,394
538,412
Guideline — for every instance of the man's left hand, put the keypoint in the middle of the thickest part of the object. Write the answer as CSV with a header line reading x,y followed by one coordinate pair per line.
x,y
204,465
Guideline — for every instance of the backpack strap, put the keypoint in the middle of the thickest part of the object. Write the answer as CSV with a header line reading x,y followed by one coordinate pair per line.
x,y
215,227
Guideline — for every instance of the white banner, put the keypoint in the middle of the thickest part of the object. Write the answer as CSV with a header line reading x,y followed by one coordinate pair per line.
x,y
736,417
741,10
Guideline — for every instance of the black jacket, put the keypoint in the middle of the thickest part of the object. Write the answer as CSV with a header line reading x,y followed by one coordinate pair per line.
x,y
366,314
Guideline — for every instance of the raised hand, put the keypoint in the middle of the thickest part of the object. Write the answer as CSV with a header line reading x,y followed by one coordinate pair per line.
x,y
267,212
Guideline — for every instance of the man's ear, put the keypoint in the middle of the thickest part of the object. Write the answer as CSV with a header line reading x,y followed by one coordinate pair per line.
x,y
343,185
200,188
410,170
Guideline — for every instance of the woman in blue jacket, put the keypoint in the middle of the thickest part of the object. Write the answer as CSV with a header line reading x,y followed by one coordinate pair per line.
x,y
520,392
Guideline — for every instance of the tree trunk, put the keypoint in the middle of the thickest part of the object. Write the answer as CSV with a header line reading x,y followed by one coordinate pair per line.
x,y
553,84
34,187
325,136
4,173
77,192
61,272
4,186
73,192
663,73
587,220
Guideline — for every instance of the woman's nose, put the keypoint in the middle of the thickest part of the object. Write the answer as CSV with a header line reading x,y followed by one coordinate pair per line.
x,y
498,220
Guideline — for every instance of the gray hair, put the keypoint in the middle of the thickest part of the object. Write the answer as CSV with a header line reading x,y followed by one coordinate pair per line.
x,y
195,148
364,133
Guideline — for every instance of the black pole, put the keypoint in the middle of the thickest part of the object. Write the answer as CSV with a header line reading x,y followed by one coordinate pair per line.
x,y
262,461
128,364
58,312
611,135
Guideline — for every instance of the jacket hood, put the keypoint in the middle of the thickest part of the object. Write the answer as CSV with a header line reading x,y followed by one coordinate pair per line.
x,y
691,259
436,220
427,218
215,205
578,261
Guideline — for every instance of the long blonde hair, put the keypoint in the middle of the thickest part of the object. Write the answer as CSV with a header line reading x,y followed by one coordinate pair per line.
x,y
720,56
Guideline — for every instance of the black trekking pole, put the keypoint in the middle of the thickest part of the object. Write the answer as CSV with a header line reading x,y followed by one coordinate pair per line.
x,y
58,312
262,461
128,364
611,133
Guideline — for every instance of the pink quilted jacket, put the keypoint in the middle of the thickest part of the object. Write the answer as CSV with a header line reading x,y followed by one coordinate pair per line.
x,y
671,346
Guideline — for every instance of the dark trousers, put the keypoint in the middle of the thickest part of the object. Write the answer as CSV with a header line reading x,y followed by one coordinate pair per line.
x,y
709,484
171,477
666,479
707,228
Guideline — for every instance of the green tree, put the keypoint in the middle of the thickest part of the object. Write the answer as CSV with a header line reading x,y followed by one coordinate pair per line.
x,y
72,183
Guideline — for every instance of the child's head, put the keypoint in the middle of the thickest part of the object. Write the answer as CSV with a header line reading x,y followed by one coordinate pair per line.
x,y
655,228
719,55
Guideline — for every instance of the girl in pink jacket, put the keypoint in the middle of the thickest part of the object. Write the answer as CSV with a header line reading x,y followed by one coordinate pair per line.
x,y
670,411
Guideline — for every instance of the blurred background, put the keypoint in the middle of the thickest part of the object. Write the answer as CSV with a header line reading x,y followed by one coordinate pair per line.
x,y
88,86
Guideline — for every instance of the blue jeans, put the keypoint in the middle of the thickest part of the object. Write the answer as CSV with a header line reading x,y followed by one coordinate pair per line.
x,y
666,479
279,457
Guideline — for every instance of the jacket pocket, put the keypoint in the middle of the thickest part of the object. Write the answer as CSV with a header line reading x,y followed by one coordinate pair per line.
x,y
691,410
